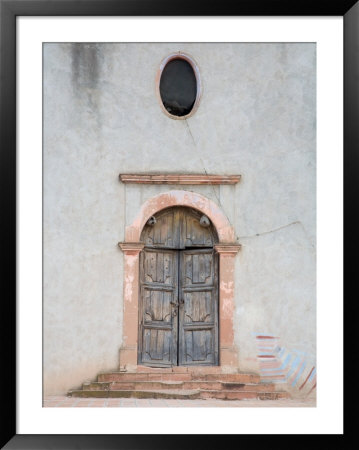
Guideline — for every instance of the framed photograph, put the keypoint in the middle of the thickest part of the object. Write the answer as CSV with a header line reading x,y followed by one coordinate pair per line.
x,y
168,172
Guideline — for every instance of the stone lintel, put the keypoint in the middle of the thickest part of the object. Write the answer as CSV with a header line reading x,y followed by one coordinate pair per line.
x,y
230,249
181,179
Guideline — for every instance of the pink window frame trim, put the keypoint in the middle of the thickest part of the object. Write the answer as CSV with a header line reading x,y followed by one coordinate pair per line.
x,y
227,249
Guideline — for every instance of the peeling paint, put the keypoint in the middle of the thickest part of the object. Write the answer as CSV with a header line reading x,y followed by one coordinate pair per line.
x,y
227,287
227,306
129,287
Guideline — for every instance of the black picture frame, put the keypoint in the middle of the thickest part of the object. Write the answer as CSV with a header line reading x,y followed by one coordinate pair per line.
x,y
9,10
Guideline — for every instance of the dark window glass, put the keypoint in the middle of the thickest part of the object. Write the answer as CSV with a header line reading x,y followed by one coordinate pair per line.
x,y
178,87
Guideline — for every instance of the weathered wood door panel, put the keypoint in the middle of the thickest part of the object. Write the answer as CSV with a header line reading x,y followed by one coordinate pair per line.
x,y
178,228
178,311
198,317
158,327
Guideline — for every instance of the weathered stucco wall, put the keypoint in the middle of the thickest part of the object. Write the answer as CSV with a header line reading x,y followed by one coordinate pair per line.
x,y
256,118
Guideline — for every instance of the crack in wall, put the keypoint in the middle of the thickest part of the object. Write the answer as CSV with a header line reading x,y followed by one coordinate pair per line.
x,y
190,132
296,222
205,171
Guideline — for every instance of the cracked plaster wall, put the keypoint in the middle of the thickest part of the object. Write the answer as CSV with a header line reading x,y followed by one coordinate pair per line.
x,y
256,118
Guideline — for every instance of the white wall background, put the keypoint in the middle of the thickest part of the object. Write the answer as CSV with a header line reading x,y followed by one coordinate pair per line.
x,y
101,118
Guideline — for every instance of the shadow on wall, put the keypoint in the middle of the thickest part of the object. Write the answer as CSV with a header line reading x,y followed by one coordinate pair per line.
x,y
280,365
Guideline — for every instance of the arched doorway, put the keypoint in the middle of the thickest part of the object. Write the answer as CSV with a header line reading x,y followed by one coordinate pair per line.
x,y
226,250
178,298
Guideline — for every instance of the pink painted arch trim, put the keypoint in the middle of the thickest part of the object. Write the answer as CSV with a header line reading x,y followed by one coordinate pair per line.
x,y
181,198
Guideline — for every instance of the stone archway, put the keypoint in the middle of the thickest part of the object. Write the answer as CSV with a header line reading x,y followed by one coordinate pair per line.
x,y
227,248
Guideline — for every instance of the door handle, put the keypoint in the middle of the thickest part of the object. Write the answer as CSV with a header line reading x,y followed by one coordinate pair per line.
x,y
181,302
174,312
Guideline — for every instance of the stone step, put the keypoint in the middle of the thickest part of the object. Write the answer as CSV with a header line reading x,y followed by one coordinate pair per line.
x,y
186,385
228,377
273,395
257,387
180,394
181,369
178,376
173,369
144,376
243,395
166,394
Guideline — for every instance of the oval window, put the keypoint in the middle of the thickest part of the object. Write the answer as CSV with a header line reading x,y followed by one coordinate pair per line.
x,y
178,87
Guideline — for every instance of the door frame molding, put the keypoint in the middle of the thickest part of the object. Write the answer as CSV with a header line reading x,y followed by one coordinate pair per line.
x,y
227,249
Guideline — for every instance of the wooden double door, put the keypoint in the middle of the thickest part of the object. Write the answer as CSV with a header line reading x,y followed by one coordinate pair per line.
x,y
178,310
